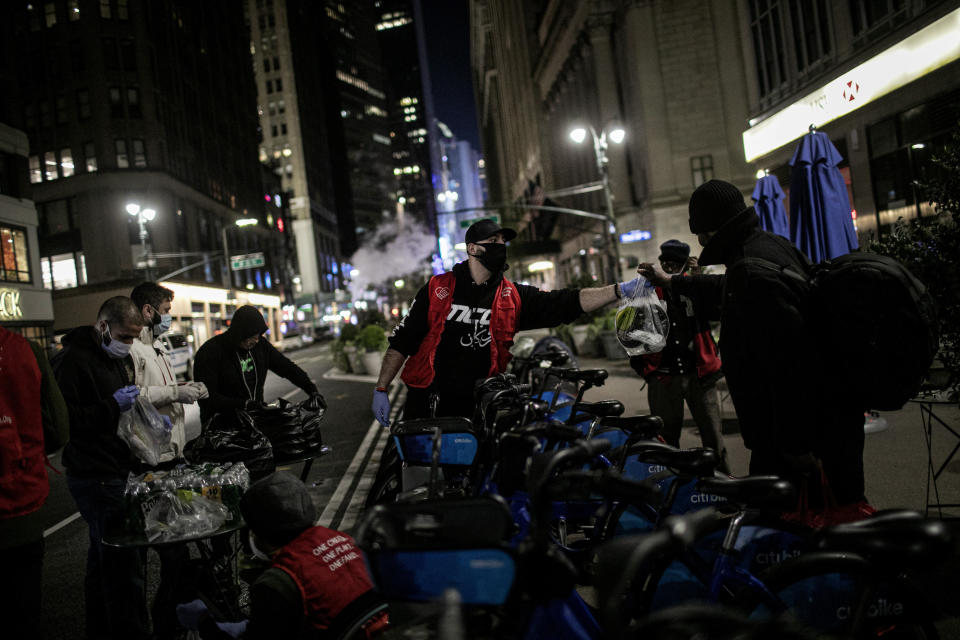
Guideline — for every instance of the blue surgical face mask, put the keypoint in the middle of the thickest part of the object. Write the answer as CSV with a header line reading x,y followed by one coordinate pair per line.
x,y
114,348
163,326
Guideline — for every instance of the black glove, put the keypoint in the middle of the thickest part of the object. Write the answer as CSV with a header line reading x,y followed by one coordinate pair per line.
x,y
315,402
253,405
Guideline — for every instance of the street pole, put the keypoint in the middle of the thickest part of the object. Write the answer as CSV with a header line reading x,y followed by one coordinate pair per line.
x,y
143,247
610,225
227,278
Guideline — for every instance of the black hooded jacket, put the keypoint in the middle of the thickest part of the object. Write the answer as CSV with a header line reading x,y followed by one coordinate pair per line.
x,y
764,343
217,365
87,378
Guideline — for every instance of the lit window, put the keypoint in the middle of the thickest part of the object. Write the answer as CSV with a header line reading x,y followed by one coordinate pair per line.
x,y
73,10
105,9
90,156
35,174
14,265
272,109
139,154
50,13
122,160
50,165
66,163
62,272
281,107
122,12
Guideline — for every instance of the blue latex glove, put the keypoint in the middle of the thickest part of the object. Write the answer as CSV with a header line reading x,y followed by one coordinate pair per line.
x,y
190,613
629,289
167,422
381,407
233,629
126,396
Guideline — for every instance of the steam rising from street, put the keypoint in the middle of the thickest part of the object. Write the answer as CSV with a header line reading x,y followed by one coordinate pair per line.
x,y
393,251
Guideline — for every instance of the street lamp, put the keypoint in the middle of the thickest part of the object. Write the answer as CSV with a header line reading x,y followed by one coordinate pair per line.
x,y
614,134
143,216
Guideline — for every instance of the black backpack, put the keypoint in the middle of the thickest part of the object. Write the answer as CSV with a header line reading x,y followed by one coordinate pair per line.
x,y
874,323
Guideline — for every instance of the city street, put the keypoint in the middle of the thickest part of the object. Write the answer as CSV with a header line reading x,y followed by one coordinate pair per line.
x,y
345,428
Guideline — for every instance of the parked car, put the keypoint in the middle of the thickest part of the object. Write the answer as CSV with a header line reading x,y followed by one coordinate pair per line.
x,y
180,350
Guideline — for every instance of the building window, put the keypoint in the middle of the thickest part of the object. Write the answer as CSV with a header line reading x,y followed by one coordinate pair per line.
x,y
767,32
61,271
266,65
116,103
110,58
122,13
123,161
73,10
139,154
76,55
269,86
276,63
279,85
34,17
61,104
811,31
36,175
128,54
30,116
50,165
46,119
55,217
66,163
272,109
90,157
83,104
14,266
868,16
133,103
273,131
50,13
282,107
701,169
105,9
283,128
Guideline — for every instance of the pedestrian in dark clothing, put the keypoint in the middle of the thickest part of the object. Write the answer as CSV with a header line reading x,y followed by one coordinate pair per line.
x,y
317,586
461,325
234,365
688,367
789,416
33,422
96,375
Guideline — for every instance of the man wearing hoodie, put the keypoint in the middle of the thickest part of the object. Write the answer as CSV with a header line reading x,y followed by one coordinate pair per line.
x,y
234,365
96,376
791,418
317,585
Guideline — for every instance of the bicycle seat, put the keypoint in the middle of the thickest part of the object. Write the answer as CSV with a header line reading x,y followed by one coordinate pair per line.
x,y
752,492
463,523
600,409
695,462
593,377
897,536
640,427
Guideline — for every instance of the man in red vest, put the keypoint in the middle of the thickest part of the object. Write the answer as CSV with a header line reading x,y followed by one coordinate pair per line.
x,y
461,324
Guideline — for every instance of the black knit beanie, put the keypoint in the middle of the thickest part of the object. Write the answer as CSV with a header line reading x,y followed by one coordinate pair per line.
x,y
713,204
278,508
674,251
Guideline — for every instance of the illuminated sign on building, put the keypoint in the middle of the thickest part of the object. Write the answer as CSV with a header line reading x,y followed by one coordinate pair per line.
x,y
10,304
634,236
934,46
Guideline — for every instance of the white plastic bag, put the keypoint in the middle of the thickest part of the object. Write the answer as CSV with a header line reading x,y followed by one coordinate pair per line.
x,y
642,322
174,518
143,429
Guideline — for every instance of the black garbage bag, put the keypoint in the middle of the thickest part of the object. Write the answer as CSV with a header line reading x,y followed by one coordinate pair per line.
x,y
293,429
230,437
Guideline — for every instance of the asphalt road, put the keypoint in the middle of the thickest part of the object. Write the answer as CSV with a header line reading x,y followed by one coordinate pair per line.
x,y
337,493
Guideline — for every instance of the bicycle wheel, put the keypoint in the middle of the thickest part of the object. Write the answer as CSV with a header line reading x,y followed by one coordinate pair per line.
x,y
843,594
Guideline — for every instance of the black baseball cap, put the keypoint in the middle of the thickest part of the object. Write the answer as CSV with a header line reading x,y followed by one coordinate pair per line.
x,y
483,229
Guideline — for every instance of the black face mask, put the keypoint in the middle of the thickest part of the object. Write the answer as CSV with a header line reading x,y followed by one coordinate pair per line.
x,y
494,258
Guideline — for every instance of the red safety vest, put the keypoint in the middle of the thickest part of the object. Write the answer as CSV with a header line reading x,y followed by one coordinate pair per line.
x,y
328,568
23,475
504,312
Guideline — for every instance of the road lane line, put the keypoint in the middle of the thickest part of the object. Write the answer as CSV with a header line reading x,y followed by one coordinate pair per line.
x,y
290,394
355,507
60,525
344,485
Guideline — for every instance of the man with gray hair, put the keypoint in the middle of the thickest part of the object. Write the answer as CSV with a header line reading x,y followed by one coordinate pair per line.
x,y
96,376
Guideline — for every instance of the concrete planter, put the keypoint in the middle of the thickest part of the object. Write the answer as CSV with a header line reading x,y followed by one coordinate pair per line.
x,y
372,361
612,347
355,360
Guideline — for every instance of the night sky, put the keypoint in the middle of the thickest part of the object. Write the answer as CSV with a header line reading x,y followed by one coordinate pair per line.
x,y
447,27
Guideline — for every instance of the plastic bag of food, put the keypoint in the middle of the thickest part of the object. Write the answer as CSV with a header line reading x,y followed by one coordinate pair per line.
x,y
145,431
642,322
174,517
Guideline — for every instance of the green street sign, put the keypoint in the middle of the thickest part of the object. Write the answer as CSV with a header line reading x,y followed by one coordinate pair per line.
x,y
247,261
493,216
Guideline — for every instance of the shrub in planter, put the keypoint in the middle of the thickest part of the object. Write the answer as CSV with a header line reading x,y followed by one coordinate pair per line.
x,y
372,338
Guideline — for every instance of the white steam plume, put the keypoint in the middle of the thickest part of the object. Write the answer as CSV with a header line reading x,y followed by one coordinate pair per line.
x,y
393,251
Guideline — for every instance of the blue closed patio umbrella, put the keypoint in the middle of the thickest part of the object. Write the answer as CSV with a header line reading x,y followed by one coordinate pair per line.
x,y
820,221
768,199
